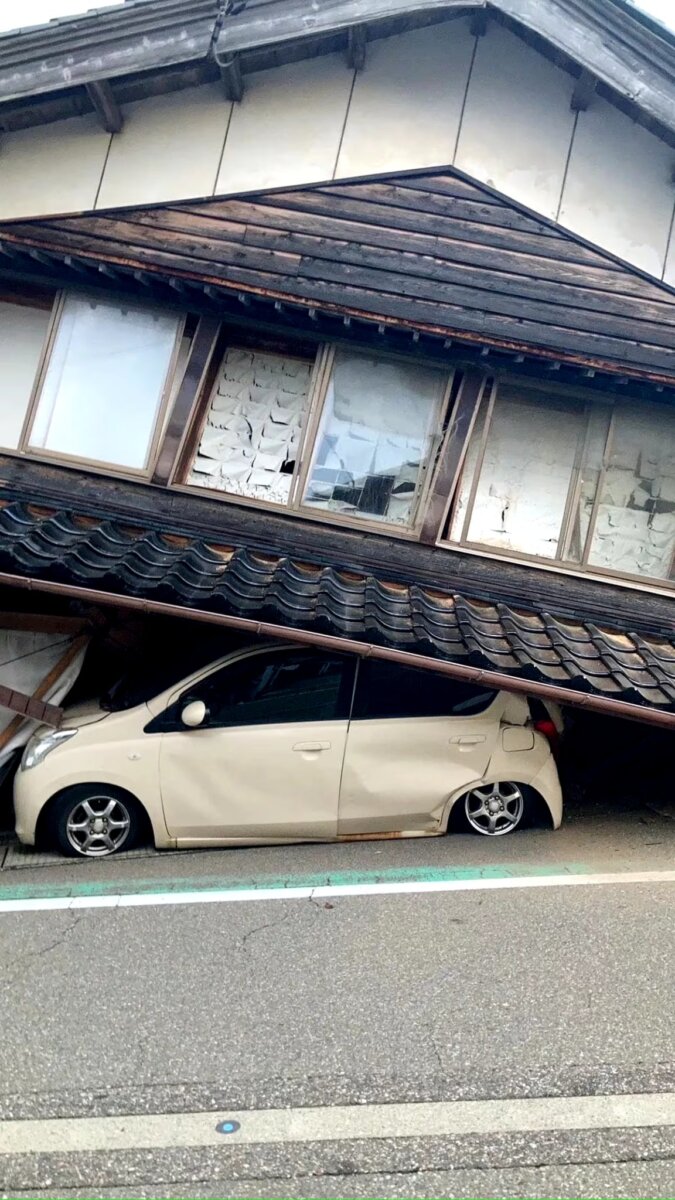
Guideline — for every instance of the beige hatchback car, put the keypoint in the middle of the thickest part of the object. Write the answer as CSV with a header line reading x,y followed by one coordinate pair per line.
x,y
286,744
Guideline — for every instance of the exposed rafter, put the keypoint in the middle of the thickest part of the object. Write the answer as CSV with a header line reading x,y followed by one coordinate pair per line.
x,y
231,75
105,105
356,47
584,90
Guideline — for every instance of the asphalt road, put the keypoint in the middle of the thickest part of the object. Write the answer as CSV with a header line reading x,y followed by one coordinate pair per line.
x,y
531,979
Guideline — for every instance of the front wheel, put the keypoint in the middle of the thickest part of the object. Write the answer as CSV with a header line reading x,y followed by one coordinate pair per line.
x,y
91,821
494,809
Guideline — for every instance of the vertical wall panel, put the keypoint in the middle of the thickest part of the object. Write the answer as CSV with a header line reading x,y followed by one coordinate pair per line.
x,y
517,123
407,101
170,145
288,126
669,273
51,168
619,191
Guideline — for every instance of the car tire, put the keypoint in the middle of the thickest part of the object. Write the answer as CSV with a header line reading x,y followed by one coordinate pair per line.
x,y
494,809
94,821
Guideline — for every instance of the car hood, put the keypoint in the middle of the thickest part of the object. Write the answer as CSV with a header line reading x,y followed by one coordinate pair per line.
x,y
83,714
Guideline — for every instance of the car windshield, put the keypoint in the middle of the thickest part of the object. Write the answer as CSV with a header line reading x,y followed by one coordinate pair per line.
x,y
156,670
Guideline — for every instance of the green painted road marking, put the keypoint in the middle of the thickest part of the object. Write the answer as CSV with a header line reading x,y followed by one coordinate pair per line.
x,y
216,883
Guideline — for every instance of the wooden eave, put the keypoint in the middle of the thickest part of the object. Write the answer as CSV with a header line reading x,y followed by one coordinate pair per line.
x,y
431,260
145,47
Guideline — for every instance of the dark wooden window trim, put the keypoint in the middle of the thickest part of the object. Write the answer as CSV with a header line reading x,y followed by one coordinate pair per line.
x,y
452,454
199,361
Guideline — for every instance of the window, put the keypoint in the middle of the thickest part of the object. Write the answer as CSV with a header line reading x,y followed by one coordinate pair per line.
x,y
376,438
102,390
592,486
523,474
23,332
386,690
251,439
277,688
634,525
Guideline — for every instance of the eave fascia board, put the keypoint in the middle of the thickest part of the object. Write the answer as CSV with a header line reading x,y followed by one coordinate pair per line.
x,y
622,68
105,45
603,38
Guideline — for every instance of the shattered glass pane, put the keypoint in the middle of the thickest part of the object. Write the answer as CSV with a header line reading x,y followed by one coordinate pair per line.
x,y
376,438
635,527
252,434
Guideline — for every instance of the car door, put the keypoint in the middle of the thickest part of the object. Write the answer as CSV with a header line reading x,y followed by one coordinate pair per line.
x,y
267,761
414,738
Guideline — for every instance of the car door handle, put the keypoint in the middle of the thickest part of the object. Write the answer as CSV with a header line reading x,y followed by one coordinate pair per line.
x,y
468,739
312,746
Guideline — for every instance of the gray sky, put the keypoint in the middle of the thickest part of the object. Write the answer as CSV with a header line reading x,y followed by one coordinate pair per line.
x,y
34,12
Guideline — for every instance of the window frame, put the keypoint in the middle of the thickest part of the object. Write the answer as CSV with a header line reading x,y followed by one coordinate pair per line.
x,y
168,721
610,404
318,390
40,453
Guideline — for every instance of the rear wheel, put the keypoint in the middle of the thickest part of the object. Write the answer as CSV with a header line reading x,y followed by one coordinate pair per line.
x,y
494,809
94,821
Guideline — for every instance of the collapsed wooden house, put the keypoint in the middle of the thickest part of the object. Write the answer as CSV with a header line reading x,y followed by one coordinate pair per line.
x,y
350,324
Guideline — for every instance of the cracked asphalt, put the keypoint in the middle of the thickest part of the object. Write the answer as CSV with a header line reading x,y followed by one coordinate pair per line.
x,y
345,1000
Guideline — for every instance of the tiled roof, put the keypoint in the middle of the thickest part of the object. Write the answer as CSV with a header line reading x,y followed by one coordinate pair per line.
x,y
70,548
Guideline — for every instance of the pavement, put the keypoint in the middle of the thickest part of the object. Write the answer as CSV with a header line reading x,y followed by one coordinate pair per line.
x,y
318,997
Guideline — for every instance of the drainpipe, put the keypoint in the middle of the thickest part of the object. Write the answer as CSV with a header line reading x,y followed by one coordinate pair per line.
x,y
493,679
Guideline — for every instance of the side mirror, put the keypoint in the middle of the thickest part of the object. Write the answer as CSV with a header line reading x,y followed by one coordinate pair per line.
x,y
194,714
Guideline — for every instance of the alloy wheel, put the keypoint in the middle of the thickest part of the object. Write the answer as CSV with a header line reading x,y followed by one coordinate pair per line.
x,y
494,809
98,826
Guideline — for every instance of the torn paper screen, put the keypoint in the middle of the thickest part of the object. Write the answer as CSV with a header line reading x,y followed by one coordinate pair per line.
x,y
252,434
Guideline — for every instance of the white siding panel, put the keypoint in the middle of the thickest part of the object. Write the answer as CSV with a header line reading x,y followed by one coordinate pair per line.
x,y
407,102
288,126
669,273
517,123
170,146
619,192
51,168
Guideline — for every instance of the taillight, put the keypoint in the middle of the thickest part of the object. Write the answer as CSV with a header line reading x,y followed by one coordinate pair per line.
x,y
548,728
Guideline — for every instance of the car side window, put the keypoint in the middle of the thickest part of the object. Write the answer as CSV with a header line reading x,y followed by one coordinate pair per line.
x,y
385,689
277,688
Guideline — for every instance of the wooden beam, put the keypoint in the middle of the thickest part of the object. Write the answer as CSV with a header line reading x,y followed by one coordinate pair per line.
x,y
233,80
356,47
28,706
201,351
583,92
37,709
478,23
43,623
453,453
105,105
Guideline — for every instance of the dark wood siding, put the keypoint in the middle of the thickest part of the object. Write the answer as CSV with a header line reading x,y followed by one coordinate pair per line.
x,y
434,251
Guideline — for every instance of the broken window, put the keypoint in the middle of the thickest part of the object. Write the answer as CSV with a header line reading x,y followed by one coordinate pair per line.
x,y
376,437
251,440
634,528
592,486
524,471
104,383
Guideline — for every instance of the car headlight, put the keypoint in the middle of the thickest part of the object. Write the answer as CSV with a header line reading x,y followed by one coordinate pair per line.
x,y
42,744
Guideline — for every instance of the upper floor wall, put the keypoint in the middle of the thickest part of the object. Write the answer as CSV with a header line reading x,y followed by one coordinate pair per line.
x,y
443,94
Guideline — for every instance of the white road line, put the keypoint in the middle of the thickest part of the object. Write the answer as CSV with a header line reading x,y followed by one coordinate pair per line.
x,y
170,1130
409,888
